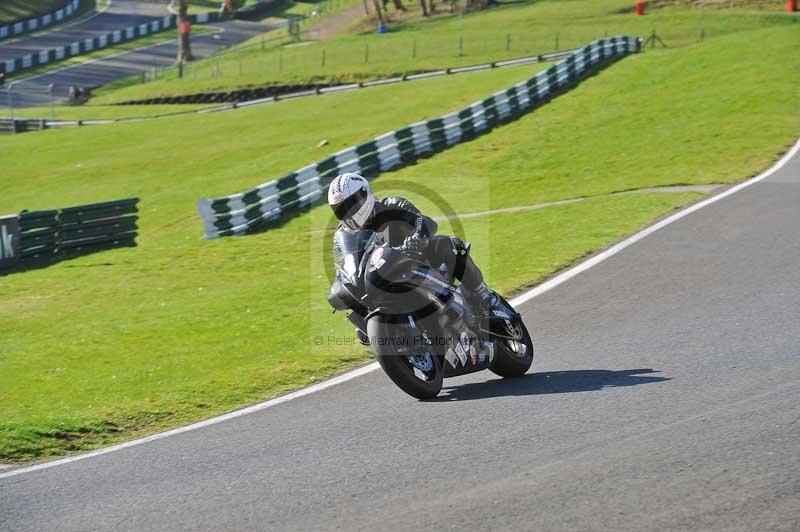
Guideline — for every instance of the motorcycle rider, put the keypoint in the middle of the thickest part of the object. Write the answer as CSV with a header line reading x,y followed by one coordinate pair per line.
x,y
399,223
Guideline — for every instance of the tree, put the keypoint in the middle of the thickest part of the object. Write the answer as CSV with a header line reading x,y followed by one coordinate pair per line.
x,y
379,11
185,29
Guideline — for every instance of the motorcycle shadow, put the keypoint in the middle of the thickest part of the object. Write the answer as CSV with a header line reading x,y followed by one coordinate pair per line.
x,y
570,381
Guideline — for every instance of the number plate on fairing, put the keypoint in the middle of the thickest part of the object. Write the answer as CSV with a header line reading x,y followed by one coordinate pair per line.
x,y
467,356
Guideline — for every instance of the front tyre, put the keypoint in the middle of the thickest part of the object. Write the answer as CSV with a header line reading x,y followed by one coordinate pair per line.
x,y
416,369
513,349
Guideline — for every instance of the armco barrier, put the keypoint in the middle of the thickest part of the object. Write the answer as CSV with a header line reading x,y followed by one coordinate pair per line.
x,y
21,27
272,93
38,124
85,46
243,213
50,236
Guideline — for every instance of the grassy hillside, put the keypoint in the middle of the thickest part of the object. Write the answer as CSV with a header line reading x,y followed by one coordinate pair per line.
x,y
511,29
130,341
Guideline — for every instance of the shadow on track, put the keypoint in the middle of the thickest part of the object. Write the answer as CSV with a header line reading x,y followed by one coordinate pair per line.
x,y
585,380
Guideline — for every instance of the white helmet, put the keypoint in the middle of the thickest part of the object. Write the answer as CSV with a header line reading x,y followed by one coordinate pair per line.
x,y
351,199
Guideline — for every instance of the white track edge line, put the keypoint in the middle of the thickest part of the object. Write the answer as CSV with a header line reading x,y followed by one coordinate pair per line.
x,y
200,424
353,374
613,250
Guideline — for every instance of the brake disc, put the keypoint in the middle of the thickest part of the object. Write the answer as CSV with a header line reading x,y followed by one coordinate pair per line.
x,y
422,362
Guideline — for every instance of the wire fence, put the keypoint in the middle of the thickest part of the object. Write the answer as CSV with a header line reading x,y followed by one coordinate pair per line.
x,y
294,55
289,55
277,58
21,95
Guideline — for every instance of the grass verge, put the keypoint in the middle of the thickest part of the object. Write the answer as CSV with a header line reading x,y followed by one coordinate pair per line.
x,y
508,30
127,342
99,112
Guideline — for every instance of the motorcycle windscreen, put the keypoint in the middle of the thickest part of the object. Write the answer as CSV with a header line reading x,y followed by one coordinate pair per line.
x,y
349,248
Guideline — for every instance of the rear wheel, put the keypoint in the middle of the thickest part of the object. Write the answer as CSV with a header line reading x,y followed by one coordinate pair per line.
x,y
513,350
412,364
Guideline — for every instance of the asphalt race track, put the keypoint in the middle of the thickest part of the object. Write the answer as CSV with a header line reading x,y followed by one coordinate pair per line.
x,y
120,14
665,396
34,90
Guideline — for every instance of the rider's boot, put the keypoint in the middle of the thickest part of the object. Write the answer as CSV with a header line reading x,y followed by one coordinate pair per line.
x,y
363,339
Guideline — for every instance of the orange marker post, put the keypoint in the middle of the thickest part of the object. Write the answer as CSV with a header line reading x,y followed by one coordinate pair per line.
x,y
640,7
791,6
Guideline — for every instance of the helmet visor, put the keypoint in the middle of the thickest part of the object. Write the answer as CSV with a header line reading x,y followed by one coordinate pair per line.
x,y
346,208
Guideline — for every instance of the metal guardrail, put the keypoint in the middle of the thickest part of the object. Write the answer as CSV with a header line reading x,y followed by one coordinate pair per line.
x,y
550,56
250,211
244,97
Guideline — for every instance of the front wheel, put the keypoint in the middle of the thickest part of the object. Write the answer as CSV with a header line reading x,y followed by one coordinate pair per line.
x,y
513,349
412,365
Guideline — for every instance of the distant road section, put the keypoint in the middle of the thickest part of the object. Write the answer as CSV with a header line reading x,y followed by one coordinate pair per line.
x,y
119,15
32,91
18,18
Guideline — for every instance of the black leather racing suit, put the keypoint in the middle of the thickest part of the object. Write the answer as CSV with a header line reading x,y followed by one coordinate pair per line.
x,y
396,219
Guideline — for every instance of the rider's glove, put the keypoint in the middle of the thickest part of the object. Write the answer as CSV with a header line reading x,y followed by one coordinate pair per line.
x,y
413,244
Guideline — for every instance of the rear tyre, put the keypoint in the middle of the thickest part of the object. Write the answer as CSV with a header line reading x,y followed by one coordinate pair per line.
x,y
415,369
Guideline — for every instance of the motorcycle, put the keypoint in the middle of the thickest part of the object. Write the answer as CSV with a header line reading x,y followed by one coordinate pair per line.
x,y
419,325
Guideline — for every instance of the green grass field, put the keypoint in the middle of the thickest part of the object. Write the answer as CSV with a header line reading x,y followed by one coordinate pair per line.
x,y
509,30
70,112
127,342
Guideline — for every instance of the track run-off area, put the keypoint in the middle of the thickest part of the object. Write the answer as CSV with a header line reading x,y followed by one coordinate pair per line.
x,y
664,396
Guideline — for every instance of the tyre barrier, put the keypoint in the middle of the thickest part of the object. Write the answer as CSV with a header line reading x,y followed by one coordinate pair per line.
x,y
21,27
47,237
85,46
241,95
255,209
